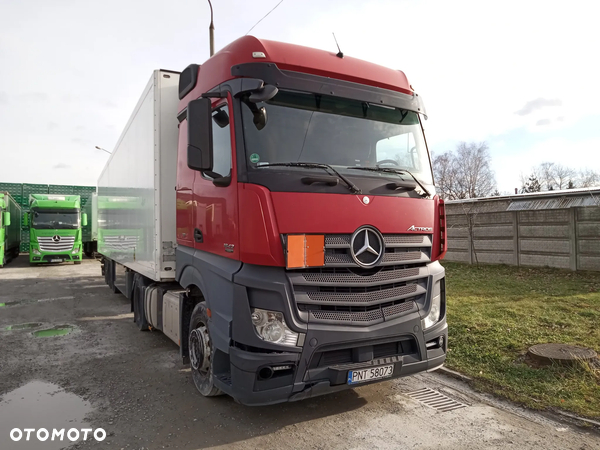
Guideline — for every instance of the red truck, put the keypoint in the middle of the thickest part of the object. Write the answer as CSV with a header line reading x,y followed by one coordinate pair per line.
x,y
273,212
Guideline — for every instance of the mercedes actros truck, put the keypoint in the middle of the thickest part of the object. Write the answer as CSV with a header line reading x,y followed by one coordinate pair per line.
x,y
273,212
55,228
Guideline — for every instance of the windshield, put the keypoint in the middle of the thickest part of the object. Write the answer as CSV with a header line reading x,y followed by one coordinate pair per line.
x,y
343,133
66,220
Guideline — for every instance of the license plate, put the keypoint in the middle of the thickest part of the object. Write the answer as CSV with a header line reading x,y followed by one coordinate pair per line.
x,y
56,260
373,373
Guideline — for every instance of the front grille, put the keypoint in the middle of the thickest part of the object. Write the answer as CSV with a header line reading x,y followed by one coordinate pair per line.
x,y
345,276
361,295
342,292
365,315
50,244
341,257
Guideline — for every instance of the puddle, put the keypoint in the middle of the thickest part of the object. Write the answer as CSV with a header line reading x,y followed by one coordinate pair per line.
x,y
29,301
59,330
119,317
41,405
23,326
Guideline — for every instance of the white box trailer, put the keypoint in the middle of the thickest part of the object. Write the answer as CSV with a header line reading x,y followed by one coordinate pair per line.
x,y
136,189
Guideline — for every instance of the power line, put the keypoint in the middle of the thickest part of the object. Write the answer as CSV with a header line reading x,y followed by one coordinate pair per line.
x,y
264,17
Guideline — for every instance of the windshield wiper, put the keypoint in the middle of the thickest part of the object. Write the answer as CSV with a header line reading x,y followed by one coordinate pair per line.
x,y
390,170
308,165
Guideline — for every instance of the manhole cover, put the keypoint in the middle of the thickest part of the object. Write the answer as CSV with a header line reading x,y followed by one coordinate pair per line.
x,y
560,354
435,400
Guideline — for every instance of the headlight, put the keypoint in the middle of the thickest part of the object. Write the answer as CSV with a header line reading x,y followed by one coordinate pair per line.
x,y
434,313
75,251
270,326
36,251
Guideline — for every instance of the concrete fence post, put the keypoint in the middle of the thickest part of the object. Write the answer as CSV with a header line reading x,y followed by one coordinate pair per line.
x,y
515,232
573,239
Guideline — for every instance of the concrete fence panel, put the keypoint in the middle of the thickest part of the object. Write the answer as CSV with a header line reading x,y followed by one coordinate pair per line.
x,y
566,238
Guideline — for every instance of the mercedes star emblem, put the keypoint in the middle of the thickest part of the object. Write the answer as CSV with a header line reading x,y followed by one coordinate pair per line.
x,y
366,247
56,238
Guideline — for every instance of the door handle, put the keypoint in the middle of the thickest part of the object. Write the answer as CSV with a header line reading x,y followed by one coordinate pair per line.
x,y
198,235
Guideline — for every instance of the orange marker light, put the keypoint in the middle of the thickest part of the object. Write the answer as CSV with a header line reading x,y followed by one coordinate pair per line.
x,y
305,250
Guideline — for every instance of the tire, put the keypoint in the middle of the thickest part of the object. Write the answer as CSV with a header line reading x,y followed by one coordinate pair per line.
x,y
139,316
201,353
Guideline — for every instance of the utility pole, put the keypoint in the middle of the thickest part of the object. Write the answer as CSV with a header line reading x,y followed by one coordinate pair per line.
x,y
211,31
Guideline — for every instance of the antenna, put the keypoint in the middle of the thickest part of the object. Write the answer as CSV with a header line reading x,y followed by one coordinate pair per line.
x,y
339,54
263,17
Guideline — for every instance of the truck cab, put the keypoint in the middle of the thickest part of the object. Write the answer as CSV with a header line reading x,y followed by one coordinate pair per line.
x,y
55,223
310,233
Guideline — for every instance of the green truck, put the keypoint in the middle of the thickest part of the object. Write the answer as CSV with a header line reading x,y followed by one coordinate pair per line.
x,y
55,228
10,228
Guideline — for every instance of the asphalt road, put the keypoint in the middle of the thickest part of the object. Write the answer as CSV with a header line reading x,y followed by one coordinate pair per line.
x,y
107,374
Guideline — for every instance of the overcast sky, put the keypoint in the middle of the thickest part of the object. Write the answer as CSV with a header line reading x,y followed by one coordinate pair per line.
x,y
522,75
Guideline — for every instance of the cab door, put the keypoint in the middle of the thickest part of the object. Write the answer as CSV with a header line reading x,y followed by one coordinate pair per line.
x,y
215,192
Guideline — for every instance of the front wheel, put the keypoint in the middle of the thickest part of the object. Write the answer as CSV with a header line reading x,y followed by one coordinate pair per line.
x,y
201,352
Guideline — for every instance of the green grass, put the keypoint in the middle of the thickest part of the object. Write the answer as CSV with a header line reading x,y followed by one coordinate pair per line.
x,y
496,312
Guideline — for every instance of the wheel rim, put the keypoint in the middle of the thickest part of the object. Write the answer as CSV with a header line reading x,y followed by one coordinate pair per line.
x,y
200,349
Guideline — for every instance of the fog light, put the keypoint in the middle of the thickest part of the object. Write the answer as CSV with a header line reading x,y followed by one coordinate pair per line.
x,y
36,251
75,251
270,326
441,341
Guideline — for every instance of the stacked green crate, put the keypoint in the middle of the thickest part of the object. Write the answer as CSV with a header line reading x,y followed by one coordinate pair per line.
x,y
14,189
60,189
32,189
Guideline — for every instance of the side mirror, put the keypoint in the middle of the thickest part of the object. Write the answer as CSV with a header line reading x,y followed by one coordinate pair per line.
x,y
26,219
83,219
6,218
200,145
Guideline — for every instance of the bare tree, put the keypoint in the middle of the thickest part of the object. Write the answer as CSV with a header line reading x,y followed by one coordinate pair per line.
x,y
563,176
589,178
551,176
465,172
545,175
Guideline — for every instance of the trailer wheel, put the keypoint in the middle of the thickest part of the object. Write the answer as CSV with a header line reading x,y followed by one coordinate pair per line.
x,y
201,352
139,315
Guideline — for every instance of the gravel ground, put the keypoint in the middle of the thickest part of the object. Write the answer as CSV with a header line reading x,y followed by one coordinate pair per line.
x,y
107,374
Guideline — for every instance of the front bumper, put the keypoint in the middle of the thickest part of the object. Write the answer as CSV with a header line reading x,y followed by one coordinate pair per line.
x,y
301,381
327,352
54,258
